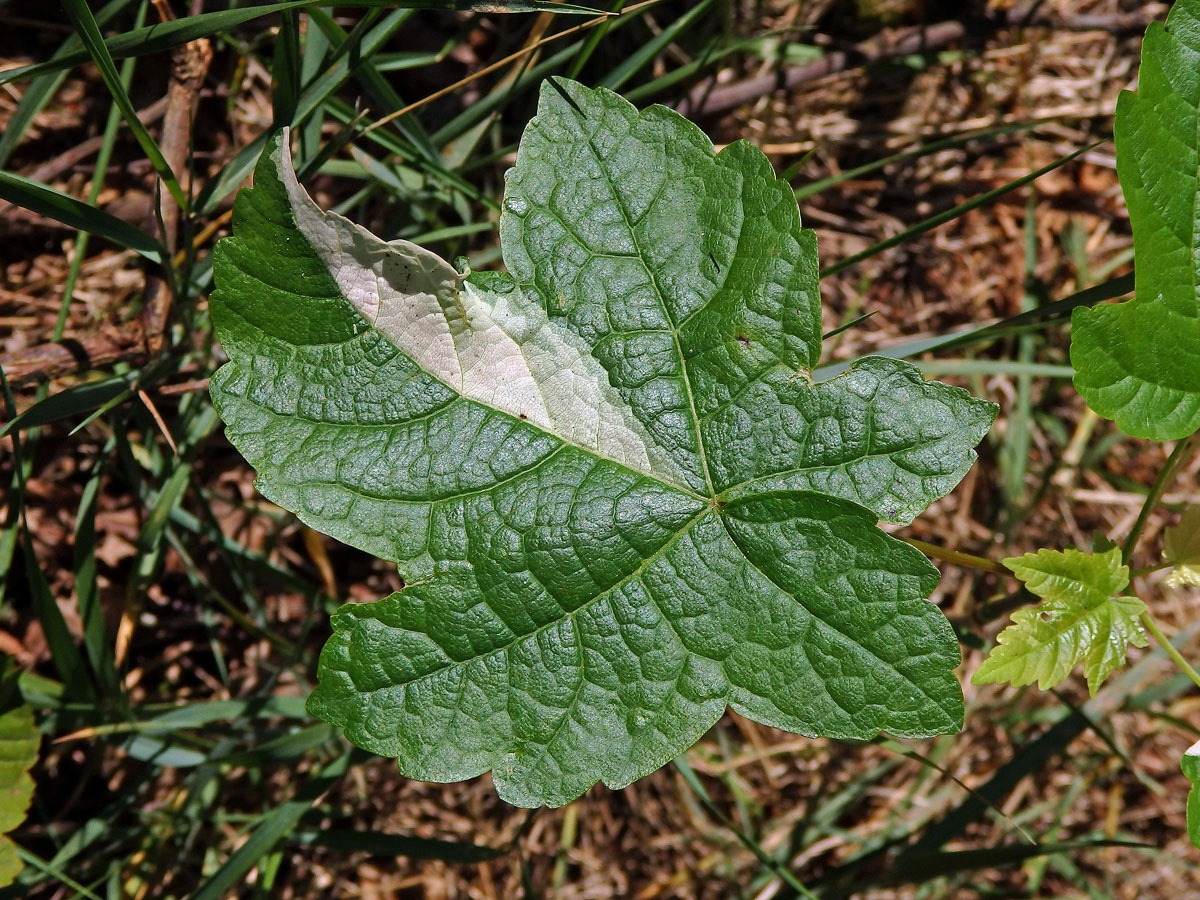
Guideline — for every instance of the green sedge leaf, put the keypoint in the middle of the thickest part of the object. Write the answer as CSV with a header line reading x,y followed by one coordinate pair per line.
x,y
1181,547
1138,362
19,739
1078,622
1191,768
618,502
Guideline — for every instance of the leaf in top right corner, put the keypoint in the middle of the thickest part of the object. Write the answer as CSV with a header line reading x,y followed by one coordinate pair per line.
x,y
1138,362
1181,547
1082,620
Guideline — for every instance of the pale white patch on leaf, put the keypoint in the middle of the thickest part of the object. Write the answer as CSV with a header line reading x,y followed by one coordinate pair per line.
x,y
1181,547
499,349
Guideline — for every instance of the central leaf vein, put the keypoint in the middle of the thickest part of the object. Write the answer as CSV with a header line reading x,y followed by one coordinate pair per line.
x,y
662,302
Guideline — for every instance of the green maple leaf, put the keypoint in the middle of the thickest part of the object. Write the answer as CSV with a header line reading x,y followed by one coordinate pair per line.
x,y
1079,621
19,739
1181,547
1138,362
617,500
1191,768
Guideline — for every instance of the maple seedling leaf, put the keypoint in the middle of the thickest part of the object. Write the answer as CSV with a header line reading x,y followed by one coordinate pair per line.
x,y
1181,547
1080,620
618,501
1138,362
19,739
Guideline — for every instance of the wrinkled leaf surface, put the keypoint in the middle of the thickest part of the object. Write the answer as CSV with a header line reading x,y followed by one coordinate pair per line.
x,y
617,500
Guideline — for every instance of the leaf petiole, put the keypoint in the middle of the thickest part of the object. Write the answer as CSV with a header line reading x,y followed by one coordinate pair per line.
x,y
1149,623
970,560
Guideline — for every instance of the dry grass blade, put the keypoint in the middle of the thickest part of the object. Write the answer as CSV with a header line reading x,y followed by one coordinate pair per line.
x,y
512,58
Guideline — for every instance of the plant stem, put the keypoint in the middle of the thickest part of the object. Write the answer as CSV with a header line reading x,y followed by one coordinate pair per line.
x,y
1165,475
1176,657
970,560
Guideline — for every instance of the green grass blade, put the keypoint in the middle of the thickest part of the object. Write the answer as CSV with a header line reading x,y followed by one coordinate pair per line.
x,y
1013,458
315,97
285,69
378,843
846,326
154,38
64,652
1031,758
497,100
230,177
36,862
150,539
312,62
1190,764
89,32
195,715
204,713
393,144
38,94
101,410
993,367
593,41
629,67
949,143
167,35
100,168
284,748
255,562
376,86
453,231
718,49
96,643
10,528
82,398
953,213
52,204
1031,320
32,102
273,828
780,870
530,78
922,868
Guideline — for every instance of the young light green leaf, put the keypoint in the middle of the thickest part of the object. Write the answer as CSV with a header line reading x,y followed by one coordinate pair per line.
x,y
19,739
1181,547
1191,768
1079,621
618,501
1138,362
